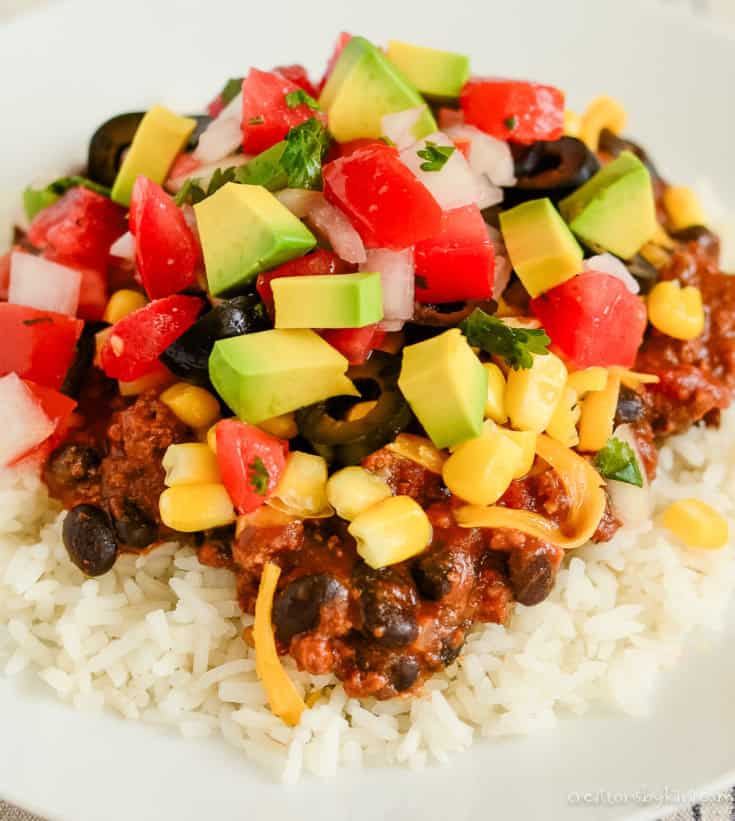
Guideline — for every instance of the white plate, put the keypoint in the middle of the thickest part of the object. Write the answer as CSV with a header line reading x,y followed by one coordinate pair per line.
x,y
63,71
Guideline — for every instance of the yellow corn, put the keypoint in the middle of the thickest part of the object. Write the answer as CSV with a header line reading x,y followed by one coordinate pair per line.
x,y
192,463
145,383
420,450
122,303
189,508
634,379
676,311
598,414
194,406
572,123
360,410
563,423
284,426
696,524
212,438
495,403
480,470
532,394
590,379
602,112
391,531
302,489
526,441
683,207
352,490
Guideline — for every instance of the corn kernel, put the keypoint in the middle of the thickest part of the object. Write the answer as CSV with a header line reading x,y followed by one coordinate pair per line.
x,y
495,403
122,303
598,414
696,524
194,406
590,379
352,490
391,531
532,394
683,207
302,489
190,464
284,426
572,123
481,470
157,379
420,450
563,423
526,441
602,112
360,410
189,508
676,311
212,438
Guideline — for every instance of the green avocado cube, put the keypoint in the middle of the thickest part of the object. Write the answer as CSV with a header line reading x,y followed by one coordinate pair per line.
x,y
158,140
446,386
436,73
615,210
244,230
364,86
330,301
269,373
541,247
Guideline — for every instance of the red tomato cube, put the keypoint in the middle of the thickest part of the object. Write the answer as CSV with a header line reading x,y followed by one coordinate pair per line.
x,y
298,75
355,344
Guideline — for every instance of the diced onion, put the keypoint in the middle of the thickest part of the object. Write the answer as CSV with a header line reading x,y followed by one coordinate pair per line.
x,y
283,697
391,325
338,230
397,278
398,127
223,135
503,266
631,504
487,155
47,286
124,247
608,264
23,423
204,173
299,201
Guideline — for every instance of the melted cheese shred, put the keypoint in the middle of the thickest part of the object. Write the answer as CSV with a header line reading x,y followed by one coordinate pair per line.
x,y
587,502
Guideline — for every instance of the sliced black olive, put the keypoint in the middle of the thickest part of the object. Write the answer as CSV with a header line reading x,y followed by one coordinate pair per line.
x,y
349,442
135,528
297,607
630,406
389,603
83,358
188,356
613,144
449,314
74,463
551,169
89,539
112,138
645,273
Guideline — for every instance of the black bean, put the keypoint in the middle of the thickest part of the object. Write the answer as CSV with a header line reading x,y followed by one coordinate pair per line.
x,y
297,608
135,528
432,574
532,576
73,463
630,406
389,604
90,539
404,672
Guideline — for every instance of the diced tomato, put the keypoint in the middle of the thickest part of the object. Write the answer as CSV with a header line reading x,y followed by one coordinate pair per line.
x,y
463,145
593,319
4,275
266,116
339,47
184,165
385,202
345,149
216,107
355,344
457,263
79,229
297,74
166,250
59,409
514,110
315,264
250,461
37,345
135,342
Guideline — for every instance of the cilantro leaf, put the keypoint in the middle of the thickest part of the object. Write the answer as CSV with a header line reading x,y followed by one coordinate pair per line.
x,y
259,120
511,122
515,345
192,191
306,146
435,155
36,199
300,97
259,476
231,89
618,461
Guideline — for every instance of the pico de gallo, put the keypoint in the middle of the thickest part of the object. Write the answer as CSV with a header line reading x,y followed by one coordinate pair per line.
x,y
385,343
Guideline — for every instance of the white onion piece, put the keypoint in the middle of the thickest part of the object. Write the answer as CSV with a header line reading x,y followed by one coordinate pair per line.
x,y
204,173
124,247
23,423
398,127
338,230
223,135
503,266
299,201
489,194
609,264
455,184
191,220
398,280
631,504
391,325
488,155
38,283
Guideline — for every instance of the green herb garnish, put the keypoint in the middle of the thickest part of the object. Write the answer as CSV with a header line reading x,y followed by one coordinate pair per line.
x,y
36,199
515,345
193,191
435,155
259,120
231,89
511,122
300,97
259,476
618,461
306,146
37,320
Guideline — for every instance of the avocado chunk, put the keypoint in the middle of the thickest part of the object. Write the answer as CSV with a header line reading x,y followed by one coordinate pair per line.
x,y
330,301
363,86
158,140
435,73
446,386
542,249
615,210
268,373
244,230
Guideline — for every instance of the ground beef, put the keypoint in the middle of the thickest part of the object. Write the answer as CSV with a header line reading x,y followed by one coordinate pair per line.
x,y
406,478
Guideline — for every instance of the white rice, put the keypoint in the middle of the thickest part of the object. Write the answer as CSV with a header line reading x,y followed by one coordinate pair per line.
x,y
158,639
